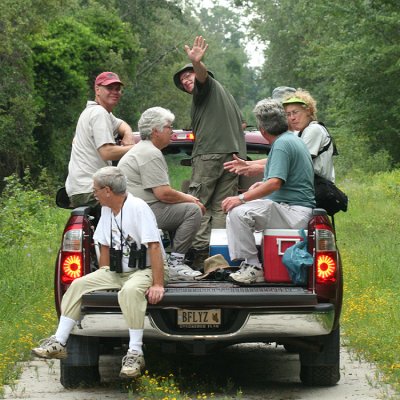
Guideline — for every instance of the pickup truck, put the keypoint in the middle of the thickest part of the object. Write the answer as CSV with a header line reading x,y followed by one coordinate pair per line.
x,y
199,317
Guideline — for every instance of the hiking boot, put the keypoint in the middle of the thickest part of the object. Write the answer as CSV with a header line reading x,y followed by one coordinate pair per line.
x,y
199,256
132,365
50,348
248,273
189,256
179,271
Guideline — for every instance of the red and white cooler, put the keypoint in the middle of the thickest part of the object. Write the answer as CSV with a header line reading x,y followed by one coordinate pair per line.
x,y
274,244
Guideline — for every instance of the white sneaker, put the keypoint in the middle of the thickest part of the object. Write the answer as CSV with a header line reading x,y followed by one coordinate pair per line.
x,y
248,274
132,365
50,348
179,271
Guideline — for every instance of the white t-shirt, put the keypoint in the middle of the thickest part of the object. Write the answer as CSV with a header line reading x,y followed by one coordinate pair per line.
x,y
145,168
316,137
95,128
138,225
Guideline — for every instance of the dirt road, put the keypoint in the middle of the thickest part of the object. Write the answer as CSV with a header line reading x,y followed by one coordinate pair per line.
x,y
262,372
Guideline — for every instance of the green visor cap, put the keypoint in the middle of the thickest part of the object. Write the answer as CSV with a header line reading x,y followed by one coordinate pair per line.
x,y
292,100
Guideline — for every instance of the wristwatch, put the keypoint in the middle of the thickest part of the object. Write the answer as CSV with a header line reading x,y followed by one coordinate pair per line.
x,y
241,198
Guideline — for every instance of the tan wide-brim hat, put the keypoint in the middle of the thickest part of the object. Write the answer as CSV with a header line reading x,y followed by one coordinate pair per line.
x,y
212,264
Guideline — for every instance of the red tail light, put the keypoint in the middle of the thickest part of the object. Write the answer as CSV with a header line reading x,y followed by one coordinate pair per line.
x,y
190,136
72,255
71,267
325,255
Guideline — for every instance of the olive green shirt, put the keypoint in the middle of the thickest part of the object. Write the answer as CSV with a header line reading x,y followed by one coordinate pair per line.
x,y
216,120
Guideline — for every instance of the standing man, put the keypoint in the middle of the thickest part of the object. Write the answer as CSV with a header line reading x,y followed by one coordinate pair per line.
x,y
93,146
284,199
217,125
126,223
147,174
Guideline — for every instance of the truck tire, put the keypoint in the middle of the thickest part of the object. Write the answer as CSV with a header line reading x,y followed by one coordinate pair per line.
x,y
81,367
290,348
73,377
322,368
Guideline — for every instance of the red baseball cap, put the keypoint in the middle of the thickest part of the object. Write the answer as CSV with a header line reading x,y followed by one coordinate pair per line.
x,y
107,78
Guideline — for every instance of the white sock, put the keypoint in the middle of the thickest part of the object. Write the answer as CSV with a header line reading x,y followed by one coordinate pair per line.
x,y
64,329
136,340
253,261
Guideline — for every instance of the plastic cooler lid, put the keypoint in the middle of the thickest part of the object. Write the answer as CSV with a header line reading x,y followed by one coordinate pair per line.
x,y
219,238
282,232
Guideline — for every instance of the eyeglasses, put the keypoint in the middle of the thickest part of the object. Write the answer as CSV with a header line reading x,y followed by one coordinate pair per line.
x,y
293,113
95,190
170,127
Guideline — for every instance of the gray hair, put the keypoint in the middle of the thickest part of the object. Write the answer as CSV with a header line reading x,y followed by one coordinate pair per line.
x,y
112,177
154,118
271,116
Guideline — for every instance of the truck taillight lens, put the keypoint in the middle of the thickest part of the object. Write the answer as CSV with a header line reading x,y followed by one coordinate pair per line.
x,y
71,258
72,240
71,267
325,256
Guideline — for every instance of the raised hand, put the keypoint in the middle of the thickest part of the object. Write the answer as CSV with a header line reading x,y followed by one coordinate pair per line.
x,y
196,53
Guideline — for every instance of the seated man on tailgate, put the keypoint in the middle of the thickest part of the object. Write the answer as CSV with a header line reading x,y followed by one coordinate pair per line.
x,y
284,199
147,174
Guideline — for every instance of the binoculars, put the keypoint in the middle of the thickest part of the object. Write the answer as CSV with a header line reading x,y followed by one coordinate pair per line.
x,y
137,258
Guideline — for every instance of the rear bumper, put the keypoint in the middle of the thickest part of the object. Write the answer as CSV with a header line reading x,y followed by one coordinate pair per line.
x,y
267,324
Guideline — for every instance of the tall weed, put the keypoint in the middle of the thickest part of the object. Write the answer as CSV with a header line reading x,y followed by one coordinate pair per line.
x,y
368,238
356,158
30,231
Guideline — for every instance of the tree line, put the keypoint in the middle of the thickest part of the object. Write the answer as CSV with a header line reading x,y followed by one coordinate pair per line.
x,y
345,53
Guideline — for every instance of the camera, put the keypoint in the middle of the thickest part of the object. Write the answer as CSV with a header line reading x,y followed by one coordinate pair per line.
x,y
115,260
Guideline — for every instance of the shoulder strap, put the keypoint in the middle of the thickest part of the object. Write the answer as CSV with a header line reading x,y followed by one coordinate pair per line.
x,y
326,147
332,140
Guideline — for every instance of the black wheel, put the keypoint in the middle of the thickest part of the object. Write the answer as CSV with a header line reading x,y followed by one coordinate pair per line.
x,y
73,377
322,368
81,367
290,348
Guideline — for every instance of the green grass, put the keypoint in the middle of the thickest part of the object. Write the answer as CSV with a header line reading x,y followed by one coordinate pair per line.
x,y
27,311
368,236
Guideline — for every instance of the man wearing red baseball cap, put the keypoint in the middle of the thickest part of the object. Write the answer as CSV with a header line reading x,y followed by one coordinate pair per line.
x,y
93,146
107,78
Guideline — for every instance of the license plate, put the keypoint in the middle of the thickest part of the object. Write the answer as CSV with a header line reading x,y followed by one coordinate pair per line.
x,y
199,318
181,136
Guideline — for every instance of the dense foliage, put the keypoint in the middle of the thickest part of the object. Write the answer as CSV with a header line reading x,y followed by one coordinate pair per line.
x,y
345,53
52,50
